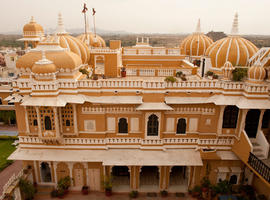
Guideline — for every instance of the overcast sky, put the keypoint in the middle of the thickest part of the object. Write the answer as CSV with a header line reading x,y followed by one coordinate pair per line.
x,y
141,16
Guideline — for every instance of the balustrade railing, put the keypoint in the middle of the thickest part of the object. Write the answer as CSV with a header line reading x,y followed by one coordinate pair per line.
x,y
105,141
259,166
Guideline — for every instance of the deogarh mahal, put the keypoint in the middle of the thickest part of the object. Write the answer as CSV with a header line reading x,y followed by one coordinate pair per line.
x,y
153,118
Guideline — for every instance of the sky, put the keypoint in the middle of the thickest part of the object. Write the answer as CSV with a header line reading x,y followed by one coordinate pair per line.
x,y
141,16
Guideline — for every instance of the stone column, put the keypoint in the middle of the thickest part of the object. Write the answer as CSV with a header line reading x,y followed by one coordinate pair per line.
x,y
26,120
56,122
242,122
260,120
39,122
220,120
75,119
55,172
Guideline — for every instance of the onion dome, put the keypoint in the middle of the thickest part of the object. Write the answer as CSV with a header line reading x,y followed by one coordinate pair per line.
x,y
256,73
69,42
62,59
90,39
33,29
233,48
44,66
227,70
196,43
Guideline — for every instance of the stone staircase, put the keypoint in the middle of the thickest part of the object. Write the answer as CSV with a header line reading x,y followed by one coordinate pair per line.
x,y
257,149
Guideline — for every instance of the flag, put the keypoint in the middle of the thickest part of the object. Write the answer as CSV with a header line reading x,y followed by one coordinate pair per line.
x,y
84,8
94,11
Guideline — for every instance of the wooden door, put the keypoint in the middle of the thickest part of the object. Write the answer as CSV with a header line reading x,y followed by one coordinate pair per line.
x,y
94,179
78,179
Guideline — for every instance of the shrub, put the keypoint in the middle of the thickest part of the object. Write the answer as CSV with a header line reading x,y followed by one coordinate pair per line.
x,y
54,193
215,76
179,74
239,74
84,71
224,187
27,189
170,79
205,182
209,73
107,183
261,197
133,194
64,183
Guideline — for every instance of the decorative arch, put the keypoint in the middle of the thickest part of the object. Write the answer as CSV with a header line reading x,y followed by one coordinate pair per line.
x,y
181,126
152,125
122,125
230,117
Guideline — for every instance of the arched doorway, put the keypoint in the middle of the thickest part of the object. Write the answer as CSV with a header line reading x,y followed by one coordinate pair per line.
x,y
45,171
252,122
121,178
62,170
149,178
266,119
233,179
79,175
178,181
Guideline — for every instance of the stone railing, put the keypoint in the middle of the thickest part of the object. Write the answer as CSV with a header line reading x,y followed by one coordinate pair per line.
x,y
141,141
145,84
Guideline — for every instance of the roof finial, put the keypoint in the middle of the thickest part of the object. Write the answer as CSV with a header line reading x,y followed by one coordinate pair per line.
x,y
235,25
32,19
198,28
60,27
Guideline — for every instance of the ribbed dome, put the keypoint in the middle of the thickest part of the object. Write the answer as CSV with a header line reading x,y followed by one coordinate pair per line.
x,y
91,40
196,43
71,43
233,48
256,73
61,58
44,66
33,27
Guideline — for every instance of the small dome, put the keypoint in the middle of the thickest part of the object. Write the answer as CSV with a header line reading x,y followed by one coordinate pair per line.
x,y
256,73
228,65
44,66
60,57
233,48
91,40
33,27
195,44
69,42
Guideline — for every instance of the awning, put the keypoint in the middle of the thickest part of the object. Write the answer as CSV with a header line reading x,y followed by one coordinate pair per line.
x,y
44,101
186,100
223,169
114,99
116,157
154,106
236,169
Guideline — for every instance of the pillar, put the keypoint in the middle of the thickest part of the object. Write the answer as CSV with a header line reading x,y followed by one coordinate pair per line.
x,y
75,119
220,120
39,122
55,173
56,121
260,120
26,121
60,120
242,122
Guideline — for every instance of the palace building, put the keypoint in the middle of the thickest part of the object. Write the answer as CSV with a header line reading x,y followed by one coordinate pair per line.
x,y
147,116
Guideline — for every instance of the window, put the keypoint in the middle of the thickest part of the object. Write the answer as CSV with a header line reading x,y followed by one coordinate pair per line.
x,y
252,122
122,125
230,117
152,125
35,122
89,125
67,122
48,123
1,101
233,179
181,126
266,119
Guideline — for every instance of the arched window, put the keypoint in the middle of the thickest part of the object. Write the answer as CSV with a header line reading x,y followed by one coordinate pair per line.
x,y
266,119
181,126
45,172
233,179
230,117
122,125
35,122
152,125
48,123
67,122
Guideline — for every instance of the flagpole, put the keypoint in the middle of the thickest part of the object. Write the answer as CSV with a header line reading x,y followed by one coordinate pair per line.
x,y
84,23
94,18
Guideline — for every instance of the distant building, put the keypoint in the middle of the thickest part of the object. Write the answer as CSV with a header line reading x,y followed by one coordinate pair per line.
x,y
216,35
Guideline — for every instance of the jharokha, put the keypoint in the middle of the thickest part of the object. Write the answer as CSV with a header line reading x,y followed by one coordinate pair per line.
x,y
152,118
